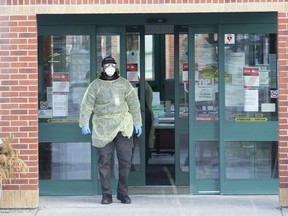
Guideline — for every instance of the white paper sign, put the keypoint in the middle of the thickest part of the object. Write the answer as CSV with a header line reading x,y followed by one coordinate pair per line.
x,y
156,98
60,105
251,100
268,107
234,62
204,93
229,38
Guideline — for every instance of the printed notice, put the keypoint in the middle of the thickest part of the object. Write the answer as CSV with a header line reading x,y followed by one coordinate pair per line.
x,y
268,107
60,83
251,100
251,77
204,93
60,105
264,71
60,91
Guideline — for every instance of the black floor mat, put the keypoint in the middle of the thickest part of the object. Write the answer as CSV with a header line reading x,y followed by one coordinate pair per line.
x,y
160,174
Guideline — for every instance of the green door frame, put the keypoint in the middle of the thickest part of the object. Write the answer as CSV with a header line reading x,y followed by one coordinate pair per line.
x,y
263,23
254,131
181,124
199,131
223,130
137,178
70,132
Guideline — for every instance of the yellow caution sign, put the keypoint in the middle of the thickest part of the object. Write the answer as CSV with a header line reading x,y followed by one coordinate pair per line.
x,y
251,119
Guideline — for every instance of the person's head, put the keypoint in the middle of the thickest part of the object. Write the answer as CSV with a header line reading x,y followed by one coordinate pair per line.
x,y
109,66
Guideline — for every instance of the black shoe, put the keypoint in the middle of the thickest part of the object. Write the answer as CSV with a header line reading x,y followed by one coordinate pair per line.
x,y
106,199
124,198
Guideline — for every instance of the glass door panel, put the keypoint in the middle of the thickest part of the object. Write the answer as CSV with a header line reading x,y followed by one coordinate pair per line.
x,y
251,160
206,77
65,161
204,124
64,74
251,78
181,106
207,160
250,108
135,68
133,74
183,76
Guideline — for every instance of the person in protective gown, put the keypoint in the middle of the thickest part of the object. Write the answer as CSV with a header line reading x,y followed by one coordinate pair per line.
x,y
116,109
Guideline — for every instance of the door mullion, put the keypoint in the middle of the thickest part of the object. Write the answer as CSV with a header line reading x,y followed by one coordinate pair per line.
x,y
221,113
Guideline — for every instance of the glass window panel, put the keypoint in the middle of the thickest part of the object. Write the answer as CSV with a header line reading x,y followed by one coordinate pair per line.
x,y
133,57
133,74
169,84
107,45
183,70
250,77
251,160
184,152
149,58
206,77
65,161
207,160
66,74
136,163
169,56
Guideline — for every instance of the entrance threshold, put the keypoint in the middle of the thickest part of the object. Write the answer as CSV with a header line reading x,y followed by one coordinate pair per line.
x,y
158,189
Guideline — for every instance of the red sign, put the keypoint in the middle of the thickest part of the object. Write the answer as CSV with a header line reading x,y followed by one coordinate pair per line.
x,y
185,67
251,77
132,67
250,71
60,77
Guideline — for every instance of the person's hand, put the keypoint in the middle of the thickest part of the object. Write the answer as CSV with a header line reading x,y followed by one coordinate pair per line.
x,y
138,130
85,130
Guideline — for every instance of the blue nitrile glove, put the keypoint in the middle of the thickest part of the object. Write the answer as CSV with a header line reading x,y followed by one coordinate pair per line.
x,y
138,130
85,130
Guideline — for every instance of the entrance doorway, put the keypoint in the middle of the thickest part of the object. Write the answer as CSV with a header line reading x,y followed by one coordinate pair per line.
x,y
154,80
219,137
159,117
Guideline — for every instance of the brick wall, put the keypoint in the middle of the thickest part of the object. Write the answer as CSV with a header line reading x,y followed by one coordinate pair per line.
x,y
283,104
19,104
18,73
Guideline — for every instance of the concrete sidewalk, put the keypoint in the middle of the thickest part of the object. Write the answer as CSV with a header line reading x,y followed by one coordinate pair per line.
x,y
157,205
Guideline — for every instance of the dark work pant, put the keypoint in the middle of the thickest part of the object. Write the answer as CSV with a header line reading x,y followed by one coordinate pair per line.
x,y
123,147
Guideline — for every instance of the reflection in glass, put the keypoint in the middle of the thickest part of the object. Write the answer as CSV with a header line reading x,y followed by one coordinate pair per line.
x,y
65,161
133,74
251,77
183,70
207,160
65,75
149,58
184,152
251,160
136,163
133,57
206,77
169,56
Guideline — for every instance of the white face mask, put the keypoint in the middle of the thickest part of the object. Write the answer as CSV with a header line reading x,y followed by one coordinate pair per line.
x,y
110,71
